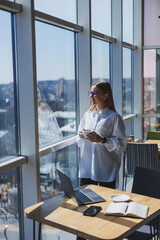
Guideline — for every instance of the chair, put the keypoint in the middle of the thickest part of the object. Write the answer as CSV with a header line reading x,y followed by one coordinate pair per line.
x,y
153,135
140,155
146,182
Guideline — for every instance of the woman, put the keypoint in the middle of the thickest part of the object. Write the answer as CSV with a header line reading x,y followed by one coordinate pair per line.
x,y
101,150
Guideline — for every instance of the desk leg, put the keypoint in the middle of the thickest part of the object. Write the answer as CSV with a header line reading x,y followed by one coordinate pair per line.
x,y
157,226
39,234
33,230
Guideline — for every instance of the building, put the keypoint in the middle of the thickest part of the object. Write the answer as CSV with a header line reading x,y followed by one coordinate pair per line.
x,y
53,51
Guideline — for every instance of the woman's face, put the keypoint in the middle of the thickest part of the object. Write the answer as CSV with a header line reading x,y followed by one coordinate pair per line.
x,y
97,97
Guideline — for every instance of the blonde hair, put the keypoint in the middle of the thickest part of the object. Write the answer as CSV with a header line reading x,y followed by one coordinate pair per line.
x,y
105,87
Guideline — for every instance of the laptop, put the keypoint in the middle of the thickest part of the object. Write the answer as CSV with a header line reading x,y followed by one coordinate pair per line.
x,y
81,196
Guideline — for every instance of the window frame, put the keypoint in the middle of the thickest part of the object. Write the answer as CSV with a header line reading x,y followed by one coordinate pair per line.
x,y
9,162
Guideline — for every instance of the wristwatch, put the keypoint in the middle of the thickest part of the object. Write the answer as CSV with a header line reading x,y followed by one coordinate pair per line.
x,y
104,140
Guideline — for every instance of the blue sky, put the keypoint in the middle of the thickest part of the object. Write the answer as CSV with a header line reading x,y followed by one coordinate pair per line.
x,y
55,52
6,69
55,47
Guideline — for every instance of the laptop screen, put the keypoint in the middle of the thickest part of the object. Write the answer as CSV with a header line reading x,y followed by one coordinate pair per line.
x,y
66,185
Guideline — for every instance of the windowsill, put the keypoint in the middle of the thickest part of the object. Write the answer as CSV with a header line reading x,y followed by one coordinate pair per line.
x,y
129,117
8,163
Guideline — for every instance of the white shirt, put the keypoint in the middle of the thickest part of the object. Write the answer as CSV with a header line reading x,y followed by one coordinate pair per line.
x,y
101,161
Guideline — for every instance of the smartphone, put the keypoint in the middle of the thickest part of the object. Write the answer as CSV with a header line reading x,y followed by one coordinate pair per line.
x,y
92,211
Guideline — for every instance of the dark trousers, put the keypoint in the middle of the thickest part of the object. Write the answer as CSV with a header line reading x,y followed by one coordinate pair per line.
x,y
84,181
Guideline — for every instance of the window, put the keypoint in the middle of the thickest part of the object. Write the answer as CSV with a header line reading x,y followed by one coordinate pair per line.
x,y
61,8
127,82
101,16
128,21
100,61
7,101
151,124
65,160
129,128
9,205
151,23
55,56
152,81
151,90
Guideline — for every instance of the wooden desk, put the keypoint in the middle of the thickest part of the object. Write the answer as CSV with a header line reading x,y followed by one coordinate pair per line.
x,y
63,213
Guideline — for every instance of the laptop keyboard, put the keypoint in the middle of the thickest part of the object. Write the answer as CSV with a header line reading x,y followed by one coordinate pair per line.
x,y
81,197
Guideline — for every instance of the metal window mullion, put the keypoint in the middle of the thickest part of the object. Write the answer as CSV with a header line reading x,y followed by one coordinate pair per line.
x,y
117,62
110,64
151,115
76,80
15,84
129,117
46,18
132,80
84,55
128,45
13,162
102,37
57,146
18,161
25,37
10,6
133,21
132,87
76,90
151,47
137,66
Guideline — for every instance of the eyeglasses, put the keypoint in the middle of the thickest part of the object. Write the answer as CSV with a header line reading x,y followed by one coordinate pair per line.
x,y
93,94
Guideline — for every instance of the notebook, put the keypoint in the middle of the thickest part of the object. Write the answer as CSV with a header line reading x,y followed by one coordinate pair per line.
x,y
81,196
131,209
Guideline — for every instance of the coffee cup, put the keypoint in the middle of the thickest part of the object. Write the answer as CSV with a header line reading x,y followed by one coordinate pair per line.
x,y
131,138
85,132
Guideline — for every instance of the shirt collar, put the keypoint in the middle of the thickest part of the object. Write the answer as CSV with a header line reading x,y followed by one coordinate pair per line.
x,y
103,111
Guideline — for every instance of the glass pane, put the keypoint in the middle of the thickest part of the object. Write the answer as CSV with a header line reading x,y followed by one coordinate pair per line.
x,y
129,128
127,82
100,60
63,9
7,118
152,81
66,160
151,124
9,212
56,83
128,21
101,16
151,22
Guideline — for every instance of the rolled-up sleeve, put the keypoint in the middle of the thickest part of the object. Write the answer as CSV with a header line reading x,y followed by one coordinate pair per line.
x,y
117,142
80,141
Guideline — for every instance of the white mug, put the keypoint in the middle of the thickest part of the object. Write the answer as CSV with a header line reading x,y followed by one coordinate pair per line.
x,y
85,132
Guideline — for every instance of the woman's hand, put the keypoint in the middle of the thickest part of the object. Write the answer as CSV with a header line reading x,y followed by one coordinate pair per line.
x,y
94,137
81,134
